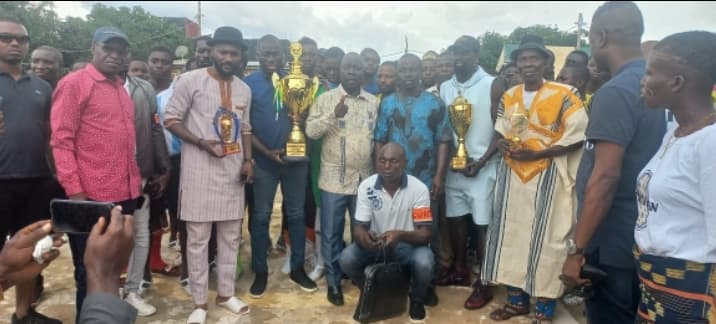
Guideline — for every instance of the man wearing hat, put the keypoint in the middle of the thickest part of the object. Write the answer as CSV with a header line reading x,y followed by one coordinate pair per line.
x,y
540,128
469,191
93,137
217,162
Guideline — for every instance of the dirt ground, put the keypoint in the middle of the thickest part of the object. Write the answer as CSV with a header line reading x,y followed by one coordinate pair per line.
x,y
282,303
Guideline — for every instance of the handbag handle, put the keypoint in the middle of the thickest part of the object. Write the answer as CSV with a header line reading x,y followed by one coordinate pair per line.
x,y
384,253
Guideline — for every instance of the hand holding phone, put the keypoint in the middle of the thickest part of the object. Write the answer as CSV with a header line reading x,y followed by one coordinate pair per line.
x,y
76,216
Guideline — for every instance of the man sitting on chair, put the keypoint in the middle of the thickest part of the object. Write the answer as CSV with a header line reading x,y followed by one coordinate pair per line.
x,y
393,213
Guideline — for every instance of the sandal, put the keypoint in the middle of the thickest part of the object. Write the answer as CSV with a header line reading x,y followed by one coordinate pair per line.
x,y
235,306
541,319
198,316
508,311
544,311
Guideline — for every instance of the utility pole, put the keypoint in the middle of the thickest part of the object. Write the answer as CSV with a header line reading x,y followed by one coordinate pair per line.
x,y
406,44
580,29
198,16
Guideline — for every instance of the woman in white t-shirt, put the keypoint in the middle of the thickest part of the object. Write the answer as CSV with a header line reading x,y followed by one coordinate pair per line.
x,y
676,191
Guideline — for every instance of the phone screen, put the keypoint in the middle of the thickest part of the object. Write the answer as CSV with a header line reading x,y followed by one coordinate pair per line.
x,y
75,216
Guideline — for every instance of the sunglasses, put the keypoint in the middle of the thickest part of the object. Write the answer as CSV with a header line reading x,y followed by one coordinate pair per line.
x,y
20,39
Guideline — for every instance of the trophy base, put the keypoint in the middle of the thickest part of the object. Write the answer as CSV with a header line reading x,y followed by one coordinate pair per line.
x,y
459,164
231,148
295,153
295,159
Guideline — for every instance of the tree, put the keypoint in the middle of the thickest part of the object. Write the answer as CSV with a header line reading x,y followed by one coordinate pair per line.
x,y
491,44
143,29
551,35
73,36
38,17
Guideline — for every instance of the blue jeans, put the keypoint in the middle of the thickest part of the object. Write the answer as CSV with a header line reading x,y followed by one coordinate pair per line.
x,y
419,259
616,297
333,221
78,245
292,177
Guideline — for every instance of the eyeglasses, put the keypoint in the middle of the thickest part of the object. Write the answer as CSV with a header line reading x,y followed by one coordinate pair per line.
x,y
20,39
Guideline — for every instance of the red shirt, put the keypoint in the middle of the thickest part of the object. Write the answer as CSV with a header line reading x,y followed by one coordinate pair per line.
x,y
93,137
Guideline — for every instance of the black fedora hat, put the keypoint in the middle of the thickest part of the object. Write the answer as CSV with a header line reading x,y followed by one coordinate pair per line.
x,y
228,35
530,42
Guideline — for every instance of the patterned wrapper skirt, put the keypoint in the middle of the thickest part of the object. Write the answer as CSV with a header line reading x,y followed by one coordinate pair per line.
x,y
675,290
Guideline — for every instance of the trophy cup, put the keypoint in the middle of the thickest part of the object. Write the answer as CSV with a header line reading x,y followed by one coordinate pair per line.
x,y
296,91
226,126
516,123
460,112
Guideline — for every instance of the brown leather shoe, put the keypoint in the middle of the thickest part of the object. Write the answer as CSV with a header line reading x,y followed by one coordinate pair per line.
x,y
481,295
455,278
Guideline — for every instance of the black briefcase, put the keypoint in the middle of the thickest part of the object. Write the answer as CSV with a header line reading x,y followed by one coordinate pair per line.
x,y
384,294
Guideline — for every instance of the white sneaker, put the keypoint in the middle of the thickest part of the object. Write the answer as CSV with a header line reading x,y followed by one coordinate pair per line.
x,y
143,308
286,268
317,273
185,284
144,287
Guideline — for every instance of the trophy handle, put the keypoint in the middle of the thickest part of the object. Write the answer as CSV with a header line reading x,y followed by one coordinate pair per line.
x,y
316,83
276,80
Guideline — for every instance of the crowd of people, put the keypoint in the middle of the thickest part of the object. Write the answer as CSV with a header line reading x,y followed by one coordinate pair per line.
x,y
607,163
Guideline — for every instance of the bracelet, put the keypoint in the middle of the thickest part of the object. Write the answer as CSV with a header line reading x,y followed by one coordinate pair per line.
x,y
198,143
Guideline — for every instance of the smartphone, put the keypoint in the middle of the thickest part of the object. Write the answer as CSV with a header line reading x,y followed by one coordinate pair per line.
x,y
77,216
592,273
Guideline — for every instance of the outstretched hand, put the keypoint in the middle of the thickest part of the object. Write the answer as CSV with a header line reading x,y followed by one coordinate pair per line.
x,y
16,262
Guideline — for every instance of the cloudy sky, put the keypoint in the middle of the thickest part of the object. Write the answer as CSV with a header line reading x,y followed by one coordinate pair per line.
x,y
427,25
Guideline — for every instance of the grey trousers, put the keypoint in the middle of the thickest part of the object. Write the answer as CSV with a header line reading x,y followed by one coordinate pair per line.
x,y
140,253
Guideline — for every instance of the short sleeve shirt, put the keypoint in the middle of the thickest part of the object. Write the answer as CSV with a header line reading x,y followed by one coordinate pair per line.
x,y
271,123
619,115
675,195
410,205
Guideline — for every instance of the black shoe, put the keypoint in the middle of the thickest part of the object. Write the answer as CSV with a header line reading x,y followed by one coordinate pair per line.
x,y
431,299
33,317
417,312
259,286
335,295
300,278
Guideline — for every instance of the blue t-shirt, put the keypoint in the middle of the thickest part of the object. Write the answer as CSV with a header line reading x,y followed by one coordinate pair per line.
x,y
620,116
269,125
372,87
418,124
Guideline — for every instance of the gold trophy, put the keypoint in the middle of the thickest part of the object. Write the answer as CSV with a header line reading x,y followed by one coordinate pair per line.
x,y
296,91
460,117
516,123
226,126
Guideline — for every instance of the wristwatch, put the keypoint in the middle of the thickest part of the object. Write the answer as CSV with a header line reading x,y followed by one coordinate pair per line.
x,y
572,248
250,160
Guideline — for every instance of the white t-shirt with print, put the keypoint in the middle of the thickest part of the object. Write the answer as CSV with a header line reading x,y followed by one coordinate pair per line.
x,y
408,206
676,195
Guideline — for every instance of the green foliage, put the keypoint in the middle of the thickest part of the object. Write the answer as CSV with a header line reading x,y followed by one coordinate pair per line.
x,y
491,44
73,36
551,35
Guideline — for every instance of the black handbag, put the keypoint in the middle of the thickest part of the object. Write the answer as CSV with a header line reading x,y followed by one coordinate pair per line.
x,y
385,292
